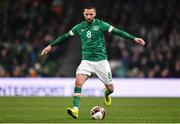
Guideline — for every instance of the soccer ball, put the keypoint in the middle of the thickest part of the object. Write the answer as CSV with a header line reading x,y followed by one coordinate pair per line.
x,y
97,113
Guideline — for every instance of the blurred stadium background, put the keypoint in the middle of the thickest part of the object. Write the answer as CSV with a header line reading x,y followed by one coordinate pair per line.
x,y
27,26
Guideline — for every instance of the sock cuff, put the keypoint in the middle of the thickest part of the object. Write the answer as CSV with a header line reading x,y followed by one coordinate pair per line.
x,y
106,92
77,90
77,94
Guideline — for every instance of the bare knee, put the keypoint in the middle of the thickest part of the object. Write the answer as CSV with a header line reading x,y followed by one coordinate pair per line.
x,y
78,83
80,79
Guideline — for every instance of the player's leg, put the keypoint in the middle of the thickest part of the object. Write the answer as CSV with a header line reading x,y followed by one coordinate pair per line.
x,y
80,79
103,71
107,91
82,74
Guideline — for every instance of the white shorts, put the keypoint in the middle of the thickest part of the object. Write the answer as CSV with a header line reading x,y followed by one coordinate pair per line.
x,y
100,68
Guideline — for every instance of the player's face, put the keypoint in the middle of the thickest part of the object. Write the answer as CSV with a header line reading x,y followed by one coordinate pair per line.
x,y
89,14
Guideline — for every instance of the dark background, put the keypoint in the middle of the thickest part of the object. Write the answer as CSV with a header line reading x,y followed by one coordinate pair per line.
x,y
27,26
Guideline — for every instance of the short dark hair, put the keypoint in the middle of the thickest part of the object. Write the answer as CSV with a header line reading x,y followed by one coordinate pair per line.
x,y
89,7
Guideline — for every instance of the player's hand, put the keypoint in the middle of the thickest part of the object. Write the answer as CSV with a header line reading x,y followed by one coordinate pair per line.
x,y
46,50
140,41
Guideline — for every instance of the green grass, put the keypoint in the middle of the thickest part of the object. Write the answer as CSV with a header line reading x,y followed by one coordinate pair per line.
x,y
53,110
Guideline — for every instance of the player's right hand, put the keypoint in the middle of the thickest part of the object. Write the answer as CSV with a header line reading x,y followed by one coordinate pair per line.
x,y
46,50
140,41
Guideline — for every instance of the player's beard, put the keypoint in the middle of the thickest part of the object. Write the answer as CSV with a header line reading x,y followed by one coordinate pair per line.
x,y
89,20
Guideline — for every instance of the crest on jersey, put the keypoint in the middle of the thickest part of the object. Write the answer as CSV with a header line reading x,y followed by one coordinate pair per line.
x,y
95,28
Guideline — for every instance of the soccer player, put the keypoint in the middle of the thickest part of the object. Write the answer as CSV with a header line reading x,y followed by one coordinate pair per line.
x,y
94,55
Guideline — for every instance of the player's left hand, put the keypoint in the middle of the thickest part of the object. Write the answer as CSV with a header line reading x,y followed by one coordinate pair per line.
x,y
140,41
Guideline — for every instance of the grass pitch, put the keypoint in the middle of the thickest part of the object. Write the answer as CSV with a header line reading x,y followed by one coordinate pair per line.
x,y
123,110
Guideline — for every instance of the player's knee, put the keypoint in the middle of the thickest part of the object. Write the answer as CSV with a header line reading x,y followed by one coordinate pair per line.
x,y
78,83
80,79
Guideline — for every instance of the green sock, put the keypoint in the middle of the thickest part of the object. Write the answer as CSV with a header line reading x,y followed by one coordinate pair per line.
x,y
77,96
106,93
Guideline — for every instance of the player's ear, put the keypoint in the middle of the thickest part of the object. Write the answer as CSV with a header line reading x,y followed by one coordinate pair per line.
x,y
94,13
84,13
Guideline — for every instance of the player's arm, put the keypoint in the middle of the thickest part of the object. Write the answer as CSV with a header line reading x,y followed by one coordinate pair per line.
x,y
55,42
110,28
60,39
126,35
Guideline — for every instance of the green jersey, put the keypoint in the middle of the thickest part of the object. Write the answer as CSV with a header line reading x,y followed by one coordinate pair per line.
x,y
92,38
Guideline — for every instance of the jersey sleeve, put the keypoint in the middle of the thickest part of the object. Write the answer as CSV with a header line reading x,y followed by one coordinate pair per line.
x,y
123,34
106,27
60,39
74,30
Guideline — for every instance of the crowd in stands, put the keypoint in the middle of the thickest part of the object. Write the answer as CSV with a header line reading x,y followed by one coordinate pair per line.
x,y
27,26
